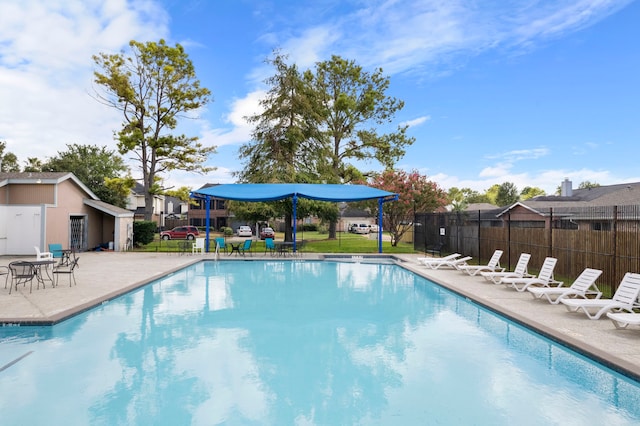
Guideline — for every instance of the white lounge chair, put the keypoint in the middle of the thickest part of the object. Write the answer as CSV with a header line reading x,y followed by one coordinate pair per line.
x,y
544,278
426,260
582,287
492,266
625,298
450,263
623,319
519,271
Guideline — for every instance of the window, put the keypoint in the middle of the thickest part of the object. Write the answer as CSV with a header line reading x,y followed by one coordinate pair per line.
x,y
601,226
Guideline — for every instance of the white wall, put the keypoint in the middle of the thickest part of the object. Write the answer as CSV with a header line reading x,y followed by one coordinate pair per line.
x,y
21,229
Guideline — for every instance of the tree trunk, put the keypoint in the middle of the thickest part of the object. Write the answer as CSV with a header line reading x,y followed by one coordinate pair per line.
x,y
288,228
148,206
332,230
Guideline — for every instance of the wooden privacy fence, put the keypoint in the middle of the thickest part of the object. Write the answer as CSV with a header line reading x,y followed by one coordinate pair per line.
x,y
606,238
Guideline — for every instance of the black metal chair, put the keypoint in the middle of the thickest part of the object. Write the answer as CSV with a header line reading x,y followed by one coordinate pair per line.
x,y
4,270
67,270
21,273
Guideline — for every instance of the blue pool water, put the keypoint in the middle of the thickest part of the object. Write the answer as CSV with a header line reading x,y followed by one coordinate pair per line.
x,y
304,343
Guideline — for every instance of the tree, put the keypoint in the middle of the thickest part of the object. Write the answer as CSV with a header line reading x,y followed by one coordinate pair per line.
x,y
588,184
282,149
415,192
154,87
8,161
348,104
530,192
507,194
99,168
33,164
475,197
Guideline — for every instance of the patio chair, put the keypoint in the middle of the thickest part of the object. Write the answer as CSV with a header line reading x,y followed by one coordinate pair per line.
x,y
56,250
22,273
221,245
455,263
623,319
198,246
624,299
269,246
4,270
66,270
245,248
492,266
544,278
521,270
427,260
43,255
582,287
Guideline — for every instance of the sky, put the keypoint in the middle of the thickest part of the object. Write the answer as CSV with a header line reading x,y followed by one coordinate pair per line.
x,y
523,91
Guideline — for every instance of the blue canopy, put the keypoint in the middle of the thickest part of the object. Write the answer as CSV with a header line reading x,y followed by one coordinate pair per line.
x,y
280,191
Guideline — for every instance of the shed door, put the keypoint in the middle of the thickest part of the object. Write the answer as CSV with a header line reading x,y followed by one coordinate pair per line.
x,y
78,233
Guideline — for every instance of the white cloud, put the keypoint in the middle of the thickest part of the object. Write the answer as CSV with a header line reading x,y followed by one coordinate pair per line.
x,y
239,130
417,121
46,69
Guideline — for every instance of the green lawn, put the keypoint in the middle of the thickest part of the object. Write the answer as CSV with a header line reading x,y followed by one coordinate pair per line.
x,y
314,243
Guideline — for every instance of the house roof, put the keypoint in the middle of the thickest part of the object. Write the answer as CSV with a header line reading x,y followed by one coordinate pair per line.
x,y
107,208
623,194
49,178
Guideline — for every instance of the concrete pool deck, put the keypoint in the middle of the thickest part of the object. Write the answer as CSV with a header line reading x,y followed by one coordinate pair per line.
x,y
101,276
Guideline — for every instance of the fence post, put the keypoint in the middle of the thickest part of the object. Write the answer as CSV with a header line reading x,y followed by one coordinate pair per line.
x,y
479,238
550,231
615,242
509,238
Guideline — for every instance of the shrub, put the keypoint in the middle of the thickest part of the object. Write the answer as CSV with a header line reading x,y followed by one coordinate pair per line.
x,y
226,231
143,232
311,227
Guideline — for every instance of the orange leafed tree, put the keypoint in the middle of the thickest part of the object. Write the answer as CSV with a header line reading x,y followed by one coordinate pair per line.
x,y
415,192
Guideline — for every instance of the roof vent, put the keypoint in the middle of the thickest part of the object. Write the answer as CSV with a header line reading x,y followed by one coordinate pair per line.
x,y
566,188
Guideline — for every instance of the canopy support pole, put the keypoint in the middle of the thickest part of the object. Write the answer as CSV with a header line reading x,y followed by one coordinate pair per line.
x,y
295,220
207,223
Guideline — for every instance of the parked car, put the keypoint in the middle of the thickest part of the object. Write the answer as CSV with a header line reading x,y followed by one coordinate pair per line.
x,y
359,228
180,233
373,228
244,231
267,233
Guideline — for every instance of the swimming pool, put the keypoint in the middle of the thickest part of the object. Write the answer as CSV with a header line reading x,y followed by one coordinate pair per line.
x,y
269,342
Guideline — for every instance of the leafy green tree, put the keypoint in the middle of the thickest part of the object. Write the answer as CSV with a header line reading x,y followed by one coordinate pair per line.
x,y
154,87
348,104
507,194
492,193
282,149
530,192
99,168
415,193
476,197
458,198
588,184
8,161
253,212
33,164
